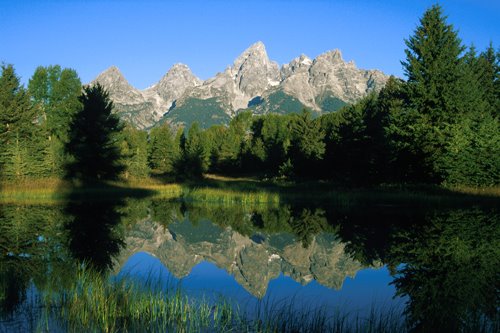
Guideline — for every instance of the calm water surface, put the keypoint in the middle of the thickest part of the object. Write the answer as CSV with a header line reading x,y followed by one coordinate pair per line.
x,y
437,265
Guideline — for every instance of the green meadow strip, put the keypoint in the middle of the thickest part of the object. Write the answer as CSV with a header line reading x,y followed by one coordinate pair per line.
x,y
46,191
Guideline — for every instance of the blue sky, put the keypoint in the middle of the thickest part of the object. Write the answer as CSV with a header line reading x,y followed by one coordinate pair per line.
x,y
145,38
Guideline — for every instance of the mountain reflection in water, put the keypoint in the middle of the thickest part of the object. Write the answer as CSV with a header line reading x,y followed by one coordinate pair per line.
x,y
444,262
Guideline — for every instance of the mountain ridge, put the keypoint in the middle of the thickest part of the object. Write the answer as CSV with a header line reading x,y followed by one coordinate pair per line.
x,y
303,82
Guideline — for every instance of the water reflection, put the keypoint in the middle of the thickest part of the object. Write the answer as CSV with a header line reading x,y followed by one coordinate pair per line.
x,y
93,233
444,262
451,275
27,247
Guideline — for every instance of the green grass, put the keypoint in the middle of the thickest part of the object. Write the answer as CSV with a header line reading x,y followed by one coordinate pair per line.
x,y
99,303
96,303
226,190
229,196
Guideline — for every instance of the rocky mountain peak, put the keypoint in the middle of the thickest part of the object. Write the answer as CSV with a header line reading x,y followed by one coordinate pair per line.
x,y
332,56
180,68
173,84
253,72
299,64
113,79
255,51
252,81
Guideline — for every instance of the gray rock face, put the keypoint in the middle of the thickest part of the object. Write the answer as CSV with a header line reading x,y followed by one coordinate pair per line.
x,y
145,108
252,75
253,264
328,74
173,84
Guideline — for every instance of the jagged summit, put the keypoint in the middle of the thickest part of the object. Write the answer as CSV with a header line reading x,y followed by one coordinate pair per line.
x,y
256,51
253,80
175,82
112,76
332,56
113,70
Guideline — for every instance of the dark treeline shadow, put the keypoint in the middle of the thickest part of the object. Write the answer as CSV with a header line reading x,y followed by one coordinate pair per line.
x,y
444,261
449,268
93,233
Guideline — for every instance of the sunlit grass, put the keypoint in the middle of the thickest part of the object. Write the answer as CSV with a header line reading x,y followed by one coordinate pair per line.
x,y
229,196
493,191
225,190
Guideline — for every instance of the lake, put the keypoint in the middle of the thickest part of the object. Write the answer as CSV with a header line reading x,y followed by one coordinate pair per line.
x,y
403,266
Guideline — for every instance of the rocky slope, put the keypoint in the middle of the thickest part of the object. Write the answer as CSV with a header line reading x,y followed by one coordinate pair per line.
x,y
253,261
144,108
253,81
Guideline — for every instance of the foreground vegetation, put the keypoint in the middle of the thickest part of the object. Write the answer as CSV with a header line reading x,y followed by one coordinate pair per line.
x,y
97,303
101,304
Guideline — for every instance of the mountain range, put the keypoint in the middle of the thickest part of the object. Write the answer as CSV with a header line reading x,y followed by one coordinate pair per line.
x,y
253,81
253,261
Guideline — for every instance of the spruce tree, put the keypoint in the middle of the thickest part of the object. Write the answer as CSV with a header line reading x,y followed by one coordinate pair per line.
x,y
439,93
17,117
134,150
93,144
19,131
163,149
433,66
307,144
195,159
488,64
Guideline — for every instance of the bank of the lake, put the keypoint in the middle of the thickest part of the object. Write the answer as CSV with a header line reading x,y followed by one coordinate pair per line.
x,y
214,188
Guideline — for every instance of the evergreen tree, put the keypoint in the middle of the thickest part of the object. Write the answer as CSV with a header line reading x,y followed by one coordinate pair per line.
x,y
163,149
228,143
441,91
433,66
16,158
19,131
488,64
134,150
307,144
93,139
195,159
17,117
270,142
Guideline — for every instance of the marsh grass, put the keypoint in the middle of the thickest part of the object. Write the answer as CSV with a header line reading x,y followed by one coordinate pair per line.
x,y
100,304
230,196
249,191
97,303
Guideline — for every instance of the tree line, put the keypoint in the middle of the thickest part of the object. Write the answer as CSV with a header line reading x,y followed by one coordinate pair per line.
x,y
440,126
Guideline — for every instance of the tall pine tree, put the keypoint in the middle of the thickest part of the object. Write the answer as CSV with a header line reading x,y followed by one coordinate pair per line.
x,y
20,152
93,139
433,66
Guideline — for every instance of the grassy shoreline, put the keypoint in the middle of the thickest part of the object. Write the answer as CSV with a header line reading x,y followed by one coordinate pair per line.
x,y
240,190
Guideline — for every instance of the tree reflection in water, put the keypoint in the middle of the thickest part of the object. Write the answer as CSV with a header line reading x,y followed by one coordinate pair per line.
x,y
446,262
